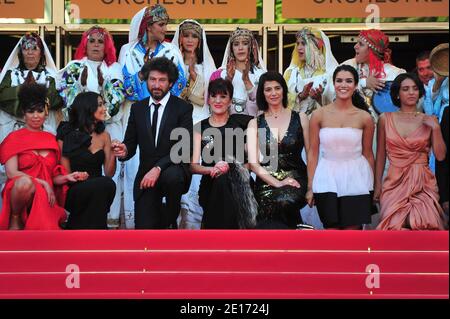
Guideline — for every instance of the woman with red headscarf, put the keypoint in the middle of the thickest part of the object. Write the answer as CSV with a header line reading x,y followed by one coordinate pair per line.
x,y
373,62
95,70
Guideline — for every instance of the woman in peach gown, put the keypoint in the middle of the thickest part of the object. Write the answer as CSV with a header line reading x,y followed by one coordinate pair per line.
x,y
409,194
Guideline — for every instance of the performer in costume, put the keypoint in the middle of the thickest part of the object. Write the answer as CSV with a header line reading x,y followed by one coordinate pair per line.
x,y
95,70
31,62
309,74
373,63
243,65
190,37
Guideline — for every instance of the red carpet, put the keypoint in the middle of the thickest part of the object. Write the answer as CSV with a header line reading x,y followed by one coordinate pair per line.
x,y
224,264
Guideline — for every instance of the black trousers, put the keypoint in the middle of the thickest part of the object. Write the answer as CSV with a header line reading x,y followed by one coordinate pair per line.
x,y
148,208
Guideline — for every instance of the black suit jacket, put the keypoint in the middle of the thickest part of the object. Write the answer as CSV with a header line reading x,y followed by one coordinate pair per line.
x,y
177,114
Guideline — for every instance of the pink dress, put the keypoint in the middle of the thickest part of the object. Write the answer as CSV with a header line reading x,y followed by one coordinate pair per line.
x,y
410,192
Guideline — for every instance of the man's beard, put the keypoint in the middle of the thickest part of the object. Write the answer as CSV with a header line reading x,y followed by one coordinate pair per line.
x,y
158,94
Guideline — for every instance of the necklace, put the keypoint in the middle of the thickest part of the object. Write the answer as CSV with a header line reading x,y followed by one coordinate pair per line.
x,y
415,112
275,115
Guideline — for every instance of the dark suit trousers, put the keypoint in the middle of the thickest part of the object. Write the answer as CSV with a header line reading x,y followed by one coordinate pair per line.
x,y
149,212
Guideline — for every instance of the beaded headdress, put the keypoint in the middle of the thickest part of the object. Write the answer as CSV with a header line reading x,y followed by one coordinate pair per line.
x,y
379,52
240,32
190,26
152,14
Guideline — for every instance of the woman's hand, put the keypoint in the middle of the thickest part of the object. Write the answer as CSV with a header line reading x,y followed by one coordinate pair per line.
x,y
309,196
316,94
50,193
192,73
376,193
303,95
77,176
289,181
231,69
431,121
374,84
220,168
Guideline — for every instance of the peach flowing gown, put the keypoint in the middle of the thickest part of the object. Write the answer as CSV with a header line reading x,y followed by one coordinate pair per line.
x,y
410,191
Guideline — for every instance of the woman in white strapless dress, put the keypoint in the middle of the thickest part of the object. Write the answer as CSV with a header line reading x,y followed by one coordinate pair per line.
x,y
340,183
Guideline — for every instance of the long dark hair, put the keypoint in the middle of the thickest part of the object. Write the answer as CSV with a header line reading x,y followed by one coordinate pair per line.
x,y
357,99
81,114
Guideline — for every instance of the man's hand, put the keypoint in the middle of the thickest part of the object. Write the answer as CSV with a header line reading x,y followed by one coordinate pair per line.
x,y
119,149
150,178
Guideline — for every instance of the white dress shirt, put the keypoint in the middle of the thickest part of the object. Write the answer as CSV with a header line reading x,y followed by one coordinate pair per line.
x,y
161,109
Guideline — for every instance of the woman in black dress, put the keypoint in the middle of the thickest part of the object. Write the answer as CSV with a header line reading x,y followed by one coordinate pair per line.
x,y
219,141
280,134
86,147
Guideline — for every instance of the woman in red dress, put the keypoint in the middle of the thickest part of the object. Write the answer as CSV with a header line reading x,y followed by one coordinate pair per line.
x,y
31,158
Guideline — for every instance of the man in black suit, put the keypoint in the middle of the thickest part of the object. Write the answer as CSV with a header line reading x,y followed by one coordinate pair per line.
x,y
150,125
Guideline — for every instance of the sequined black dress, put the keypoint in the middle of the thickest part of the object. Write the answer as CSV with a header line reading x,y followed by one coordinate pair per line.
x,y
280,207
89,201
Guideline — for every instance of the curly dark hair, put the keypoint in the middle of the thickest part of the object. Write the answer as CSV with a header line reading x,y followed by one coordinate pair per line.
x,y
397,83
266,77
32,97
81,114
163,65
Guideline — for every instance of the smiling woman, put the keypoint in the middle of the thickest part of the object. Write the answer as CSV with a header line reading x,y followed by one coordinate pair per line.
x,y
31,197
86,147
340,182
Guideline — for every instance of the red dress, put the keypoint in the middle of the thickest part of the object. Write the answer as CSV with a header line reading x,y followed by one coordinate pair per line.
x,y
24,143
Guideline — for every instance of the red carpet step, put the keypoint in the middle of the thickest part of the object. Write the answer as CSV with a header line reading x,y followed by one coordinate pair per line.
x,y
224,264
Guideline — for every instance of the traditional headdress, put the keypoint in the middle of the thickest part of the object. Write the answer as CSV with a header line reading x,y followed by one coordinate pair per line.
x,y
31,40
110,50
315,50
208,62
14,59
151,15
191,25
379,52
255,56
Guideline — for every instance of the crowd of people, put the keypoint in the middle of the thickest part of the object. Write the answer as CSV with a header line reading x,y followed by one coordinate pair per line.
x,y
165,139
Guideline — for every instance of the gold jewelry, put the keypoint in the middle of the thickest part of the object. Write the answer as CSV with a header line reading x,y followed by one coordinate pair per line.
x,y
415,112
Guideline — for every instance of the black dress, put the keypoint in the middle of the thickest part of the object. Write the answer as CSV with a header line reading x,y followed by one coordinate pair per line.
x,y
89,201
280,207
227,200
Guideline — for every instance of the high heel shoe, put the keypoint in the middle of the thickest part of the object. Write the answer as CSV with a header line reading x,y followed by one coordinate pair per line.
x,y
15,222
